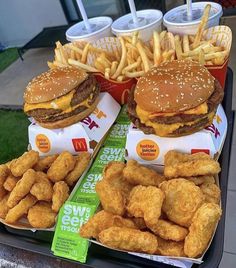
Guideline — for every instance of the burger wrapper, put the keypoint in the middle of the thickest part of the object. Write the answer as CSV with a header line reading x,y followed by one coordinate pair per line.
x,y
223,37
82,136
150,149
118,90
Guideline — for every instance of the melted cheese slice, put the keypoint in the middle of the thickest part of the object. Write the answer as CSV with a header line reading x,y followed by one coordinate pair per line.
x,y
61,103
164,129
201,109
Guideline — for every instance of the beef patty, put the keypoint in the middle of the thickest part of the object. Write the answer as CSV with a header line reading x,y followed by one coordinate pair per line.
x,y
212,103
89,89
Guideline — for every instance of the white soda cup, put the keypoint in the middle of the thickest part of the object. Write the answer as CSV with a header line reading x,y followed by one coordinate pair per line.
x,y
100,27
148,21
177,21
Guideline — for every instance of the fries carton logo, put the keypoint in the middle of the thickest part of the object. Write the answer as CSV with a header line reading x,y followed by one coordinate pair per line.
x,y
90,122
80,145
43,143
147,150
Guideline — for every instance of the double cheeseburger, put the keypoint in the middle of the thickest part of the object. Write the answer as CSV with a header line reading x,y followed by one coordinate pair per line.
x,y
175,99
61,97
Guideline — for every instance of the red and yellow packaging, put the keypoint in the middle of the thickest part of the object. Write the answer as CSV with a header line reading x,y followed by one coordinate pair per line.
x,y
222,35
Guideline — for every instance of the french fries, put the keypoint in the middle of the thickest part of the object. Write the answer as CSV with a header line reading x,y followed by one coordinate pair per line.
x,y
157,48
131,57
202,25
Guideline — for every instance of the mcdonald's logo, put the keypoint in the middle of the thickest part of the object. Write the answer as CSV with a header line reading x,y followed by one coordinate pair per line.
x,y
80,145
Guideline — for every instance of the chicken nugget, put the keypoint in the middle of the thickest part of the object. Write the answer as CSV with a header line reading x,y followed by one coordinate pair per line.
x,y
201,229
170,248
211,192
82,161
4,207
111,199
113,173
8,164
41,215
201,179
189,165
4,171
20,209
101,221
129,239
169,231
182,199
24,162
60,195
123,222
146,202
59,169
10,182
42,189
140,223
137,174
41,176
22,187
44,163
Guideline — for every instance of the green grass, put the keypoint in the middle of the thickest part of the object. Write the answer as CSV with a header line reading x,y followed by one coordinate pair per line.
x,y
7,57
13,134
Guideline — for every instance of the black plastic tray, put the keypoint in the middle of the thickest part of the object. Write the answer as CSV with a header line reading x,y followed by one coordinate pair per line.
x,y
40,242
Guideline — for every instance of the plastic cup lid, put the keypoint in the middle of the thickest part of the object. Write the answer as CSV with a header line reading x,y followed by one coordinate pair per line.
x,y
98,24
178,15
146,18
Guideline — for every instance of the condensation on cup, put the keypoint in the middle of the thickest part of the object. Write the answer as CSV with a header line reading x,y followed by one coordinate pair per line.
x,y
100,27
177,21
148,21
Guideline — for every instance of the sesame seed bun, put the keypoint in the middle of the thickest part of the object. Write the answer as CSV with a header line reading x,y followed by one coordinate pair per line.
x,y
53,84
173,87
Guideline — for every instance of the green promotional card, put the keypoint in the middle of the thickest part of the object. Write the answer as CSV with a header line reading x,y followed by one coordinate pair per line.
x,y
86,191
123,115
66,242
108,154
117,135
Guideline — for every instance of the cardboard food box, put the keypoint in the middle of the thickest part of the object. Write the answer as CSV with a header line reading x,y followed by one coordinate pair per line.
x,y
150,149
222,35
82,136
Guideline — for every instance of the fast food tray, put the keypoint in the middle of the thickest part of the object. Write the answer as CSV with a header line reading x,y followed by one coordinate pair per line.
x,y
40,242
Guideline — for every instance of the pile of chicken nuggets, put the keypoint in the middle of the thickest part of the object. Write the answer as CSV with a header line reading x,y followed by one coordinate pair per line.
x,y
174,214
36,188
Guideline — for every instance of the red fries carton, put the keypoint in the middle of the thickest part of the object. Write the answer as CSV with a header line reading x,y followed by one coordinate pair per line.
x,y
79,137
150,149
118,90
222,35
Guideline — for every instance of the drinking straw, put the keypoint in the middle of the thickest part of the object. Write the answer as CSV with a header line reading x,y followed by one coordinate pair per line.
x,y
133,11
189,9
84,15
